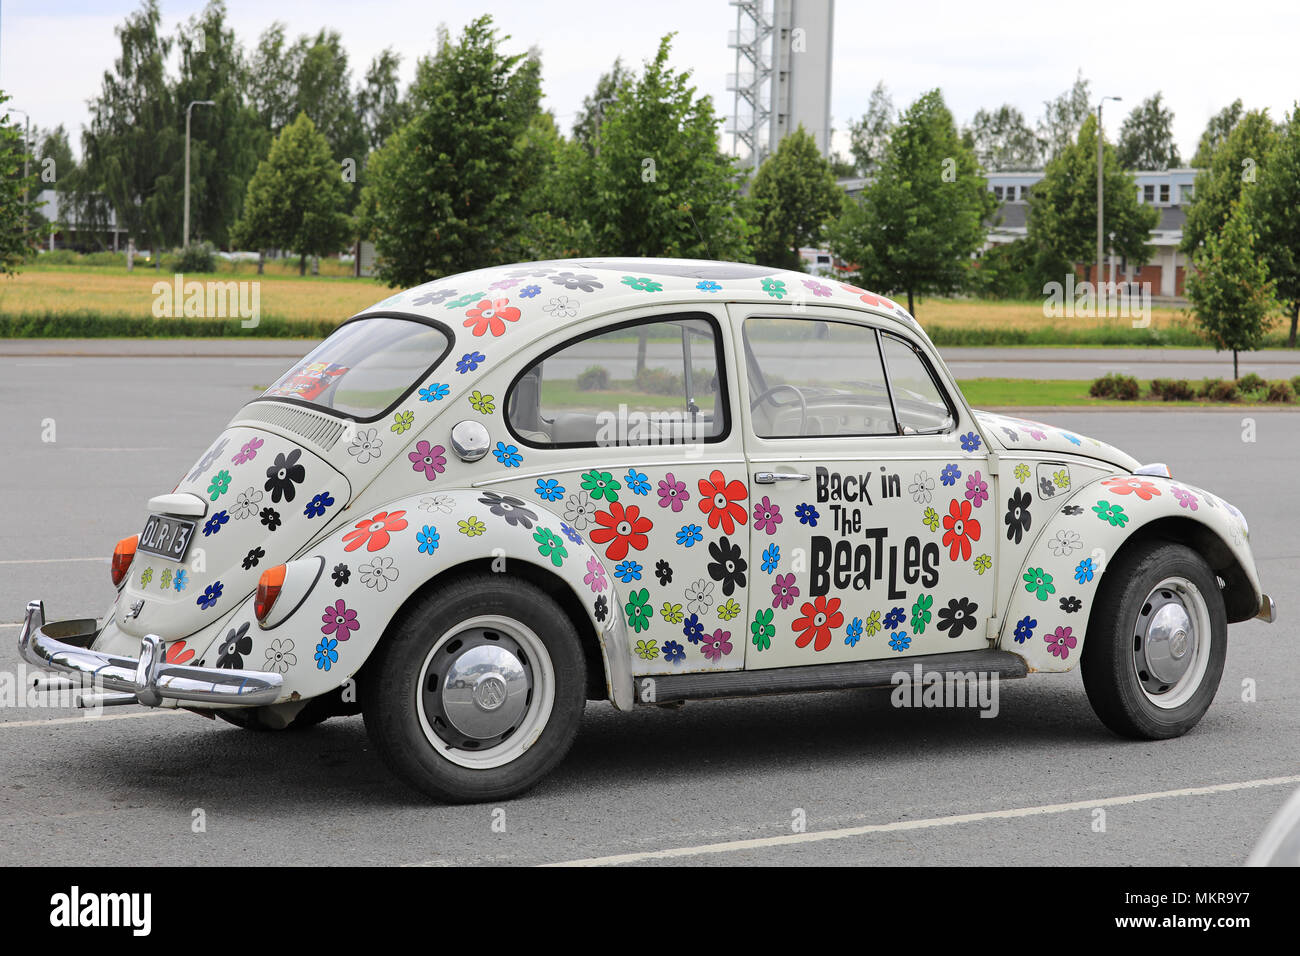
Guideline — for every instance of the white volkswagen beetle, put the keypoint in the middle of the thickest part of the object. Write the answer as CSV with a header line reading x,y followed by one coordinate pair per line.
x,y
491,498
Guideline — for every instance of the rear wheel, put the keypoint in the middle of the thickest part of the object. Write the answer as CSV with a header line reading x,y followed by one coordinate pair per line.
x,y
1156,643
477,692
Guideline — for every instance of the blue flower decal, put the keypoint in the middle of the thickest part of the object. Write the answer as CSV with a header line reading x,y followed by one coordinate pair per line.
x,y
950,474
470,362
210,596
435,392
530,291
213,524
1025,629
549,489
570,533
771,558
316,507
428,538
637,482
327,654
1072,439
507,455
674,652
693,628
900,641
807,514
1084,572
689,535
853,633
708,285
894,618
628,571
970,442
181,581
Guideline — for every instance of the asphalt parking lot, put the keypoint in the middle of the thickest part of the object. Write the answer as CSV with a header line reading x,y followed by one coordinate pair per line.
x,y
711,783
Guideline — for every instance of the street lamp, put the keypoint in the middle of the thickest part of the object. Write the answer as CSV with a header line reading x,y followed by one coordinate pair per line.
x,y
27,143
186,234
1099,182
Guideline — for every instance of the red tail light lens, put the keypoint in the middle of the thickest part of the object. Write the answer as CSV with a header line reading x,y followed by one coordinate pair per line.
x,y
123,555
268,589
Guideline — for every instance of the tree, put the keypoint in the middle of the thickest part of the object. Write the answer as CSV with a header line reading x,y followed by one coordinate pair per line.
x,y
1063,207
15,212
1216,132
919,222
271,82
869,136
323,90
587,122
1003,140
296,198
795,197
1233,167
1230,291
379,104
1146,140
660,186
1270,208
556,172
443,193
1063,117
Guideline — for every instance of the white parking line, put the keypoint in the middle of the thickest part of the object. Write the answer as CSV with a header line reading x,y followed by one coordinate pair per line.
x,y
794,839
52,721
53,560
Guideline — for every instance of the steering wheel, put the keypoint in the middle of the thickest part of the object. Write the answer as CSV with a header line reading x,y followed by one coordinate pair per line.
x,y
803,403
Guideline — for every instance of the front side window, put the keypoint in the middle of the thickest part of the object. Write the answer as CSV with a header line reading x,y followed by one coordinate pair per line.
x,y
365,367
650,382
918,401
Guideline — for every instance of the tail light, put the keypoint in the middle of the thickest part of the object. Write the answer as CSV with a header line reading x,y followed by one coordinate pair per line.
x,y
123,555
268,590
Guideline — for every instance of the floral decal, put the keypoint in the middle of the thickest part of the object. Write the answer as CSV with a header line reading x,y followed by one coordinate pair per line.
x,y
820,617
428,539
762,630
431,460
960,529
1039,583
767,516
379,573
491,316
1025,629
958,616
727,565
375,533
921,612
219,486
339,620
513,510
327,654
638,610
1132,486
283,477
621,528
1060,642
784,591
366,445
672,493
1113,515
247,452
601,485
721,501
1017,518
550,546
231,651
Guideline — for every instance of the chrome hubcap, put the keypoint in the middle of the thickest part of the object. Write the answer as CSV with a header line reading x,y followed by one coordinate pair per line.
x,y
1171,642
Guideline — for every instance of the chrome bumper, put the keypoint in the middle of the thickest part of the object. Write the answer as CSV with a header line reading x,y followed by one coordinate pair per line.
x,y
1267,609
63,647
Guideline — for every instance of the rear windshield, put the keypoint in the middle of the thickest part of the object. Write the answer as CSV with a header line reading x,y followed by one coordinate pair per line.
x,y
365,367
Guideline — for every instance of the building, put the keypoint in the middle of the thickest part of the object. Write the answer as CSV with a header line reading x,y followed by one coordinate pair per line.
x,y
67,235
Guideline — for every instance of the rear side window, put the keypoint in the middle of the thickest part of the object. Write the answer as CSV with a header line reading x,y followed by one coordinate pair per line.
x,y
653,382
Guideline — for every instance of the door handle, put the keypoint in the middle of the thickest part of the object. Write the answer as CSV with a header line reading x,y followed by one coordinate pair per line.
x,y
772,477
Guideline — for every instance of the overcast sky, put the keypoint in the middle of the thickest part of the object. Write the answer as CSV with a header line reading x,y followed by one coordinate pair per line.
x,y
1201,54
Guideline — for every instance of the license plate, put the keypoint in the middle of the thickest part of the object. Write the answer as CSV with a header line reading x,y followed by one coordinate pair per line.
x,y
166,537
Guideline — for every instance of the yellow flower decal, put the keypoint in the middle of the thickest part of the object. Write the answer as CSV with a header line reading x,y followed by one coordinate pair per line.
x,y
930,519
483,404
672,613
647,650
983,563
471,527
402,422
729,610
1022,472
873,623
1062,478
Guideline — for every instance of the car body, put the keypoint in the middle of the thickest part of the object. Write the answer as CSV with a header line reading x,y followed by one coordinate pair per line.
x,y
644,481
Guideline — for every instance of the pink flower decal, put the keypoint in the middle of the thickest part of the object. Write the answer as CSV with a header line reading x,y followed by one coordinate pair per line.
x,y
784,591
715,647
1185,498
977,490
1037,434
430,459
339,620
767,516
595,577
673,493
1060,642
247,452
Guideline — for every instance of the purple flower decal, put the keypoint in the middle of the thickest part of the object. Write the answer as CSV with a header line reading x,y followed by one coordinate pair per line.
x,y
672,493
977,490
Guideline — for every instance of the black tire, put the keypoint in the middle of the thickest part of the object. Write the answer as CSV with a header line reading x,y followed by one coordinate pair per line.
x,y
396,705
1114,671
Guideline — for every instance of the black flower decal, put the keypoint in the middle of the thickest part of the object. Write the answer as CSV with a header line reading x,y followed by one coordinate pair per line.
x,y
1072,510
284,475
341,575
1017,516
1010,433
254,556
664,572
1046,488
234,647
436,297
574,281
270,517
958,616
1070,604
512,509
727,565
601,607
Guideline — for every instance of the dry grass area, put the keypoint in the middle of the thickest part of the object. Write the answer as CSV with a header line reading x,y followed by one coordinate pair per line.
x,y
978,313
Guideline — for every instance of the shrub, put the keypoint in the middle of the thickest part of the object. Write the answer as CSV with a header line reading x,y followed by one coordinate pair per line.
x,y
593,379
1250,382
58,257
1280,392
196,257
1158,387
1176,390
1295,384
1223,392
657,381
1207,387
1123,387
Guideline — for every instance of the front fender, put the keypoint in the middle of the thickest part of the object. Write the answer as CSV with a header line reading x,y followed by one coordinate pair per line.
x,y
1052,597
374,564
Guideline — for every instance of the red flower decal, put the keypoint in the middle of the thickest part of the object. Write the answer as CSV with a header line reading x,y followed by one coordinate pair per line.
x,y
1132,486
960,529
720,500
178,653
374,532
621,528
491,316
820,617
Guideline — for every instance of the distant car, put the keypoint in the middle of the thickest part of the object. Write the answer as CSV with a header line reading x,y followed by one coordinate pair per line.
x,y
491,498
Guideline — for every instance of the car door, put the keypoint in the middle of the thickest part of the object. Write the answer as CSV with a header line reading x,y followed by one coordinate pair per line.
x,y
874,530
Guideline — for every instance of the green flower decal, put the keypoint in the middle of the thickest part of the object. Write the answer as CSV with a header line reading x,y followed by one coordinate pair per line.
x,y
1062,478
1112,514
762,629
165,579
1039,583
550,546
483,404
146,576
466,300
471,527
638,610
873,623
672,613
220,485
921,613
647,650
983,563
729,610
641,284
775,288
402,422
601,484
930,519
1022,472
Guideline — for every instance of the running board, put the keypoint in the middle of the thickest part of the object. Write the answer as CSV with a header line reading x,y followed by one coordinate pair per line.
x,y
667,688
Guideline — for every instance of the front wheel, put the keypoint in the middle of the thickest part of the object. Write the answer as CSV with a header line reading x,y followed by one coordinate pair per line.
x,y
477,692
1156,643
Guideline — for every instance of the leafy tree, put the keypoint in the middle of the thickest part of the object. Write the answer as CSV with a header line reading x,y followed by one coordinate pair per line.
x,y
1230,291
660,186
796,198
1216,132
1003,140
271,83
443,193
1270,207
1063,117
296,198
869,136
842,168
1146,140
379,104
586,125
921,219
15,213
1233,167
323,90
556,172
1063,207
